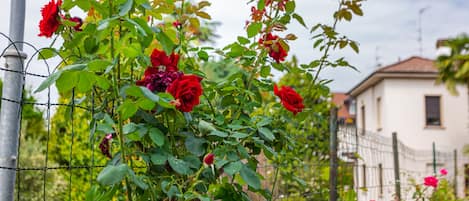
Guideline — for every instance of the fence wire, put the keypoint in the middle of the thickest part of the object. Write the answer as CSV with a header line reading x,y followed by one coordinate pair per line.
x,y
372,155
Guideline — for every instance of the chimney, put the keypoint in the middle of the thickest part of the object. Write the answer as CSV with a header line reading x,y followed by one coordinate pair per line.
x,y
441,48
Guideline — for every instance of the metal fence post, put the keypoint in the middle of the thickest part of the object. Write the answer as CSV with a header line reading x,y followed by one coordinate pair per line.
x,y
434,158
10,114
333,164
397,179
455,178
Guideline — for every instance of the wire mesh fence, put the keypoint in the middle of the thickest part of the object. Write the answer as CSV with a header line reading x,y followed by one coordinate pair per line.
x,y
374,162
54,161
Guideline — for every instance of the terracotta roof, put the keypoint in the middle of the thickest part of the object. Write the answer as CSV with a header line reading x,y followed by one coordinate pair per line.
x,y
339,99
411,68
411,65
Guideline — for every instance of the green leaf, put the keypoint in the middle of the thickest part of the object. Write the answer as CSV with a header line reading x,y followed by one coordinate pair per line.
x,y
290,7
219,133
165,100
205,127
203,15
149,94
125,8
164,40
47,53
195,145
253,29
243,40
145,104
102,82
158,158
356,9
233,168
239,135
133,90
86,81
129,128
138,26
91,45
299,19
354,46
261,5
49,81
137,180
127,109
203,55
98,65
67,81
250,177
105,128
157,136
193,161
103,24
266,133
75,67
130,51
265,71
180,166
317,42
111,174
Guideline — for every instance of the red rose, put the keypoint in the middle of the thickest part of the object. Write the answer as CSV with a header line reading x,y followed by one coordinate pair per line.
x,y
177,24
431,181
186,91
159,58
276,50
50,18
209,158
290,99
156,80
79,22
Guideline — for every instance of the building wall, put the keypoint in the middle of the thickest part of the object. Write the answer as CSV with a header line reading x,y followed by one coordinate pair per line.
x,y
405,114
403,111
368,100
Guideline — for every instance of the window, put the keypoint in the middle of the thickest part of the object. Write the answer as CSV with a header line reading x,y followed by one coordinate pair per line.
x,y
363,119
432,111
378,113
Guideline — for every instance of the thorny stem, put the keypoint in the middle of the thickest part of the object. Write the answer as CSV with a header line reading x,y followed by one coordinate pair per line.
x,y
116,82
328,47
275,181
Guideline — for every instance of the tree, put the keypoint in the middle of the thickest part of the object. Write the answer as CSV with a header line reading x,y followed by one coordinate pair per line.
x,y
454,67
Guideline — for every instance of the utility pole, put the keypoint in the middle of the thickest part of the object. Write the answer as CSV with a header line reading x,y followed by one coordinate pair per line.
x,y
10,114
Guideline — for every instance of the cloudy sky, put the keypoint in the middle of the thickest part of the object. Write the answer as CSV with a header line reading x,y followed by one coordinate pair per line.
x,y
386,33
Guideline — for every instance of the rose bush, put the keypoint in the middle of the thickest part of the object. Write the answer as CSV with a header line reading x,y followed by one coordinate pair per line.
x,y
434,188
157,116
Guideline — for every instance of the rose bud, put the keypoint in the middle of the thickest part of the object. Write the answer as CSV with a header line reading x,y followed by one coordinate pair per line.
x,y
209,158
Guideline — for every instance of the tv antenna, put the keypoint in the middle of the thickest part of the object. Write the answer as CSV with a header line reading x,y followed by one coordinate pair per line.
x,y
420,40
377,57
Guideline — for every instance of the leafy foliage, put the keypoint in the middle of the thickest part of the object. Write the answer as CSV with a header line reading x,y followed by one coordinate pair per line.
x,y
454,67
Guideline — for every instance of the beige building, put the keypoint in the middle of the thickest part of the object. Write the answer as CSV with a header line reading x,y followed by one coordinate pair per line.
x,y
404,97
